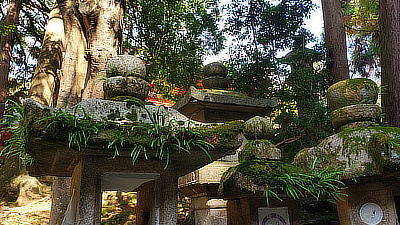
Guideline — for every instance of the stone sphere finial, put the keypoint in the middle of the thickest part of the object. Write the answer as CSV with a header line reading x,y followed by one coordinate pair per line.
x,y
215,76
125,65
125,78
214,69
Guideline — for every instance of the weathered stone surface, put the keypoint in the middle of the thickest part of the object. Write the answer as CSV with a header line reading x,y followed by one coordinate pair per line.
x,y
126,86
212,105
351,149
352,91
126,65
215,82
360,124
259,149
214,69
258,128
52,155
205,180
355,113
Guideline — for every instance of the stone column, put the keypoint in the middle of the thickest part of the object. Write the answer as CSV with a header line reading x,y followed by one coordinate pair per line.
x,y
209,211
158,200
60,198
86,183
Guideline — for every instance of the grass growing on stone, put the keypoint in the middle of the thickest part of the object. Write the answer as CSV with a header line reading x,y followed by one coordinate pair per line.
x,y
278,179
161,135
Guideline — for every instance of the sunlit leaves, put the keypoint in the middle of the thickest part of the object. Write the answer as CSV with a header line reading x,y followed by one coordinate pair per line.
x,y
171,36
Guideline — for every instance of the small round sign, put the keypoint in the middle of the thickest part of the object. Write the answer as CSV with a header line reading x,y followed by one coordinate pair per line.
x,y
273,219
371,213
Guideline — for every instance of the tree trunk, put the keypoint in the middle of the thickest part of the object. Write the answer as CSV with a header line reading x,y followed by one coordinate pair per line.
x,y
92,35
335,39
104,41
45,78
6,45
390,60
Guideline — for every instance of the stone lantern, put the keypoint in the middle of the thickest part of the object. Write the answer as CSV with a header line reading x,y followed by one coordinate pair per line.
x,y
365,150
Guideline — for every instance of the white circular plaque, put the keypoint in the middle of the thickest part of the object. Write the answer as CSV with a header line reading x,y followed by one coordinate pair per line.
x,y
371,213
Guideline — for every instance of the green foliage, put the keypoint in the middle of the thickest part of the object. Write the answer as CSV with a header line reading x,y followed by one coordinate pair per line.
x,y
261,28
361,19
165,137
302,113
299,80
172,36
29,30
283,179
79,129
14,121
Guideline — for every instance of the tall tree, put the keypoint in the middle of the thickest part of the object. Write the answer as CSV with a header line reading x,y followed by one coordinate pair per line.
x,y
361,19
171,36
390,60
335,39
7,41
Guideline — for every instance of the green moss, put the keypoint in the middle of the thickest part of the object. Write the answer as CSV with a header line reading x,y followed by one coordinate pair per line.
x,y
379,142
224,92
125,98
265,172
258,149
222,136
260,172
380,150
350,92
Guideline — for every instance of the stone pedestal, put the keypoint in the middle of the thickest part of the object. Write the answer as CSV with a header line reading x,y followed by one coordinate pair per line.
x,y
158,201
368,203
209,211
201,186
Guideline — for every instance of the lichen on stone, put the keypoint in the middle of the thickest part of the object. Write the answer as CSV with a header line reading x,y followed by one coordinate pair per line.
x,y
362,151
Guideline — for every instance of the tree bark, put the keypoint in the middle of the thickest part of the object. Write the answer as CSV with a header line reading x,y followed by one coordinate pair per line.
x,y
45,78
390,60
93,35
74,66
335,39
6,45
104,41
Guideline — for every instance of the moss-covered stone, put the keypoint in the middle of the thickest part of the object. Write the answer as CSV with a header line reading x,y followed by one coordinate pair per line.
x,y
214,69
254,175
223,136
126,86
259,149
359,151
355,113
258,128
125,65
215,82
352,91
